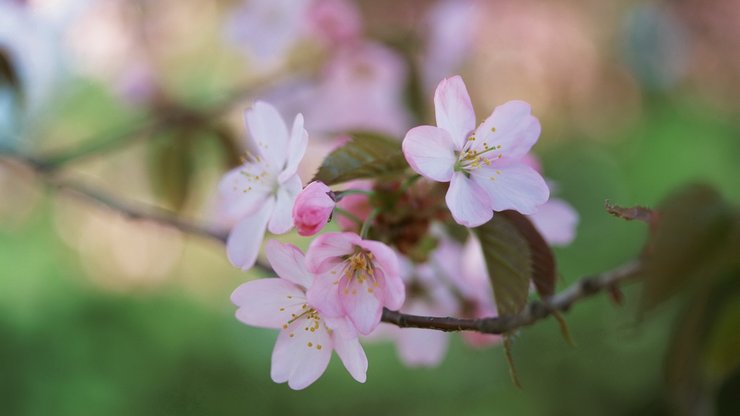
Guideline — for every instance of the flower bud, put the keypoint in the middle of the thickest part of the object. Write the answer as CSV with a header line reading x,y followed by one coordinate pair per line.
x,y
313,208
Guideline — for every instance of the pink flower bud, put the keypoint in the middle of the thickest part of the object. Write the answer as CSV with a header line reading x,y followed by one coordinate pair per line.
x,y
312,208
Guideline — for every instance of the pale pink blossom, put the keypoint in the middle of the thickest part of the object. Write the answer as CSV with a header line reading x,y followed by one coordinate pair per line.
x,y
357,278
313,208
307,337
483,165
259,195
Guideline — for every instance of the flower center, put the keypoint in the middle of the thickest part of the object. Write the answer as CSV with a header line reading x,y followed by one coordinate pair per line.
x,y
360,266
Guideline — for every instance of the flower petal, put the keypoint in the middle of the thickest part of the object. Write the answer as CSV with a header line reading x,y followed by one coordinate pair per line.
x,y
296,148
430,152
513,186
324,293
361,303
282,217
240,194
454,110
348,348
269,134
301,356
556,220
468,202
288,262
268,303
511,126
324,252
245,238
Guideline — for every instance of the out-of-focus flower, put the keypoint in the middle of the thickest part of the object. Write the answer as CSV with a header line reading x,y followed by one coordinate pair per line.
x,y
268,29
357,278
260,194
307,336
556,219
448,39
355,204
313,208
361,89
476,286
335,21
484,166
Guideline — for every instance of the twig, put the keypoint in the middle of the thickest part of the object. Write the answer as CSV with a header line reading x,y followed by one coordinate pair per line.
x,y
534,312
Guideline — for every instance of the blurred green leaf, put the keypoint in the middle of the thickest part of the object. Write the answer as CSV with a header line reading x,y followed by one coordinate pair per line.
x,y
509,263
171,169
366,156
689,244
542,258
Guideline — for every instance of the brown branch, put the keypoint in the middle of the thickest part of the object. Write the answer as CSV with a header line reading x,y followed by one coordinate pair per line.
x,y
533,312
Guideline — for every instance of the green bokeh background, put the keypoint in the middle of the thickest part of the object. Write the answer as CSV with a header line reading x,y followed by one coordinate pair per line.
x,y
68,347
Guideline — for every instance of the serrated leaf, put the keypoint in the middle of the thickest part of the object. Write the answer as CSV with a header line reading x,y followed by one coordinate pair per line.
x,y
508,261
689,244
365,156
544,272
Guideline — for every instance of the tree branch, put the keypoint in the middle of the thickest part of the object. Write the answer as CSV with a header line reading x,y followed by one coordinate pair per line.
x,y
533,312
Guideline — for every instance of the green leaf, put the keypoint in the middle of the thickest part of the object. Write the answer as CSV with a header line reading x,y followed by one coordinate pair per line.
x,y
543,261
509,263
171,169
366,156
689,245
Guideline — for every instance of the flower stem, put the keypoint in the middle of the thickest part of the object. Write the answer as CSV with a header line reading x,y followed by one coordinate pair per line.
x,y
346,192
366,225
348,215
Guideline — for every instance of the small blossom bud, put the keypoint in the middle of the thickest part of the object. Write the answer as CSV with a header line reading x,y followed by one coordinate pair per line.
x,y
313,208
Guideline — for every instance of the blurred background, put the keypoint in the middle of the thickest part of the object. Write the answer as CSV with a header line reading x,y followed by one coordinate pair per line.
x,y
143,101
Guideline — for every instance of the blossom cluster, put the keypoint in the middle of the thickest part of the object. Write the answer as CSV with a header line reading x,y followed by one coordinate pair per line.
x,y
380,257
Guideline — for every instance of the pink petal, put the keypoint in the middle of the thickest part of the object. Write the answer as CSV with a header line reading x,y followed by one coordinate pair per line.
x,y
288,262
361,303
268,303
393,289
468,202
556,220
516,130
269,134
454,110
325,250
302,358
383,255
324,293
516,186
239,195
282,217
296,148
245,238
430,152
353,357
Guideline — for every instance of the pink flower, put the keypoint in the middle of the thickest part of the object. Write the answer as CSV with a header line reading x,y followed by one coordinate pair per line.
x,y
259,195
357,278
307,337
484,165
313,208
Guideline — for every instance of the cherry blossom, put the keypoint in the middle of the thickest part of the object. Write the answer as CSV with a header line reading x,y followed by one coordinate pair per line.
x,y
357,278
483,165
313,208
259,195
307,337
